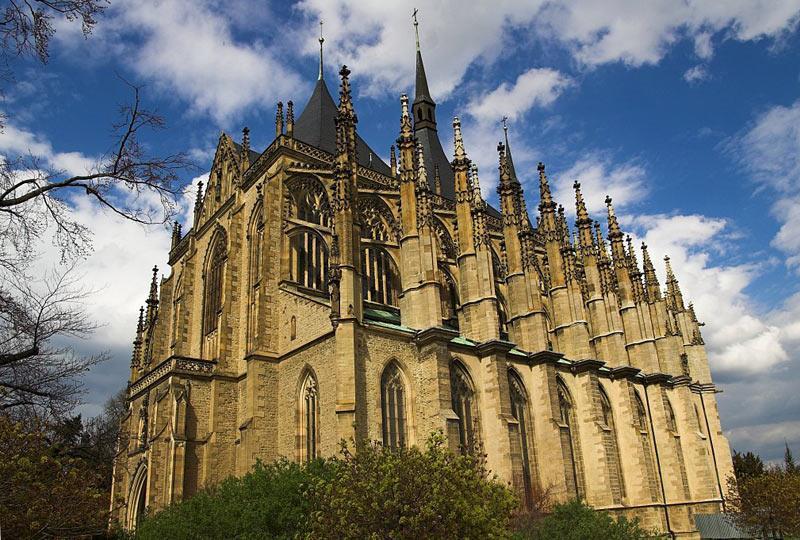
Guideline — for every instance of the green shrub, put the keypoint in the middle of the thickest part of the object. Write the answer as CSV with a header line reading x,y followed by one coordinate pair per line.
x,y
577,521
268,502
409,494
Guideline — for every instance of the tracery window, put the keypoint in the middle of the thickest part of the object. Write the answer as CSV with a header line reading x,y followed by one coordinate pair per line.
x,y
449,298
464,404
308,260
520,451
640,422
611,445
214,277
380,279
309,418
393,407
568,441
177,310
677,446
502,314
256,238
308,201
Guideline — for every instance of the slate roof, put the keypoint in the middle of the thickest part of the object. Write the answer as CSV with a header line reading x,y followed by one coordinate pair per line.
x,y
317,127
718,526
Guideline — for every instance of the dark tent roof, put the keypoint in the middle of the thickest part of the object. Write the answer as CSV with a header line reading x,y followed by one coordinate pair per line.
x,y
253,155
317,127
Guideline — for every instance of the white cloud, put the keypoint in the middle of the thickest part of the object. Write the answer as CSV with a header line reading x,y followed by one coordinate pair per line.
x,y
703,47
696,74
535,87
599,176
17,141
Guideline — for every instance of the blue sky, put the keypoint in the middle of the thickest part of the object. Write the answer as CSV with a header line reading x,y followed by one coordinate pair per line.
x,y
686,113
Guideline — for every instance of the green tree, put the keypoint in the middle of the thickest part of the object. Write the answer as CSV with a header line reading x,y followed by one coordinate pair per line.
x,y
767,503
577,521
747,464
788,460
411,493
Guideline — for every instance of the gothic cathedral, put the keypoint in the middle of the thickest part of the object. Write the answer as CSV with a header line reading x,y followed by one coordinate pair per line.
x,y
322,294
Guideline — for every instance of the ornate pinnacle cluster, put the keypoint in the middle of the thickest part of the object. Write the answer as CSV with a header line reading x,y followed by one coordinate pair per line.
x,y
393,160
437,180
137,341
546,203
198,202
583,219
674,295
652,288
279,119
406,130
290,118
345,97
613,225
244,158
460,159
176,234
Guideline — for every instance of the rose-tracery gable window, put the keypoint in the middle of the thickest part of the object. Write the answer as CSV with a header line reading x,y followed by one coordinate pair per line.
x,y
307,200
214,276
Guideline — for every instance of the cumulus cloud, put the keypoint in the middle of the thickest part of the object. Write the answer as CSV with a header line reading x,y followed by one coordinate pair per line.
x,y
535,87
696,74
18,141
599,176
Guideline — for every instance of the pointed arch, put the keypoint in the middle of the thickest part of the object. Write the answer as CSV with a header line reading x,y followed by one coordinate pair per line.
x,y
255,237
308,416
464,403
214,277
377,220
449,297
643,429
521,435
393,406
137,498
177,309
677,446
306,199
448,249
569,440
611,446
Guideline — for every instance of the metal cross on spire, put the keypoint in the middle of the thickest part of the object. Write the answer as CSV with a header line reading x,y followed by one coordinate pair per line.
x,y
416,26
505,123
321,41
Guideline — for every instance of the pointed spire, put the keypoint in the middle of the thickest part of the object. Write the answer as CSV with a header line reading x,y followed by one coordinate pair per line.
x,y
580,207
393,160
651,284
176,235
321,41
475,184
140,324
406,131
244,158
460,155
153,298
198,202
422,174
545,197
633,263
437,180
345,98
674,295
613,225
279,120
137,341
421,87
511,170
290,118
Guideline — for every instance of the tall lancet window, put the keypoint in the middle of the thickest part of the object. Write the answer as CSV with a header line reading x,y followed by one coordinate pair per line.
x,y
611,446
642,426
569,447
214,276
256,238
677,447
309,418
381,280
393,407
464,403
449,298
308,260
521,439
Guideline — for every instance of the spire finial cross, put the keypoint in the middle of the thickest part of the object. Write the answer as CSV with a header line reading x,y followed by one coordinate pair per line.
x,y
321,41
505,123
416,26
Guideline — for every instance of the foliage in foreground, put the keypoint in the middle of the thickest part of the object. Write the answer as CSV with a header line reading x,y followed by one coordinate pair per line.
x,y
765,499
577,521
372,493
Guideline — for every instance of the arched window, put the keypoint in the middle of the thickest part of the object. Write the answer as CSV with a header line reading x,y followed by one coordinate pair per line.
x,y
309,201
380,280
641,424
462,393
215,273
309,418
256,238
177,310
520,437
699,421
502,316
393,407
377,221
677,446
611,445
308,260
449,298
566,424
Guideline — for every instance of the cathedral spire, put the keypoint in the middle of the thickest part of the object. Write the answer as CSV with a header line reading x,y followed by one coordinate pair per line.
x,y
674,295
546,198
152,298
613,225
652,287
321,41
421,89
509,160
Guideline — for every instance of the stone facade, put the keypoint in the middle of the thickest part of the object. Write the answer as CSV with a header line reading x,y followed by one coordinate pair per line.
x,y
321,294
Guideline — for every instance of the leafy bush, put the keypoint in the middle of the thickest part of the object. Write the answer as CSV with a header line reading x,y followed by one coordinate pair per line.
x,y
268,502
577,521
409,493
